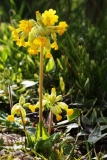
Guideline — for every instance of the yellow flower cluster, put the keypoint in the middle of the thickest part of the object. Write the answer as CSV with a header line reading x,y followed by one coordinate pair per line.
x,y
34,34
18,109
52,102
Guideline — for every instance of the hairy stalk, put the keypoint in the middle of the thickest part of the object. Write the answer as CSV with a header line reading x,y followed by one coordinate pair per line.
x,y
10,97
40,89
50,122
23,127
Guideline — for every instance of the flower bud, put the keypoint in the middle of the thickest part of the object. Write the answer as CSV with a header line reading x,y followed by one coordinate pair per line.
x,y
63,105
22,100
58,117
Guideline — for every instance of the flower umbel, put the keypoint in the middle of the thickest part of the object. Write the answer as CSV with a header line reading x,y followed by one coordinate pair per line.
x,y
34,34
18,109
51,101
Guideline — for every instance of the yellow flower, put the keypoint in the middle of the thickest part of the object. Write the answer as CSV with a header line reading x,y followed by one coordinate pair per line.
x,y
25,26
40,41
10,118
62,27
32,108
34,34
70,112
17,109
48,55
20,42
49,17
58,117
54,45
32,49
15,35
53,95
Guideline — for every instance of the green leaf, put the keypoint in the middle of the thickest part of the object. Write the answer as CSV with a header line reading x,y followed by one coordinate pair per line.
x,y
79,97
96,135
59,63
93,117
85,120
101,120
74,115
30,140
103,127
44,132
70,126
82,133
30,60
50,65
86,85
31,130
55,137
67,148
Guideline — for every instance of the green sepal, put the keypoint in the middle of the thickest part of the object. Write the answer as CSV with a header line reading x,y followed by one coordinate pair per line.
x,y
50,65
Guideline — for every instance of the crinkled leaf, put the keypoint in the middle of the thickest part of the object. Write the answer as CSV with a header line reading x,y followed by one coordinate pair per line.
x,y
102,127
67,148
44,147
101,120
96,135
82,133
70,126
30,140
44,132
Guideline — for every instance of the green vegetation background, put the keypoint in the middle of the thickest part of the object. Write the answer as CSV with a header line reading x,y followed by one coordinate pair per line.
x,y
81,59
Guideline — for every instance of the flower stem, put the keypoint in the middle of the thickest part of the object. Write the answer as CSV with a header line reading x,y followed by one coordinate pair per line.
x,y
50,122
23,128
40,89
10,97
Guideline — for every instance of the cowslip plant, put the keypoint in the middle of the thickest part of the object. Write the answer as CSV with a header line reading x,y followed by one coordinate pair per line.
x,y
37,36
19,110
40,36
53,103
